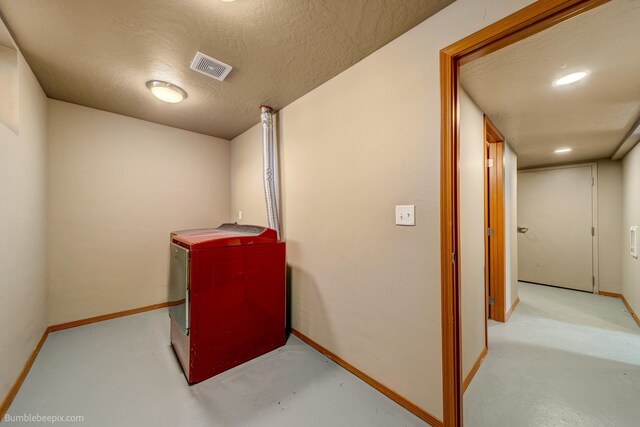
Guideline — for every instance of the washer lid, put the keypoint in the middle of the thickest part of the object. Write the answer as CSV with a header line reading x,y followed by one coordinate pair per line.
x,y
225,235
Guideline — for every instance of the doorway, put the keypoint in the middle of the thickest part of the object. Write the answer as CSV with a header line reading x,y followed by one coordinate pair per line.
x,y
557,235
528,21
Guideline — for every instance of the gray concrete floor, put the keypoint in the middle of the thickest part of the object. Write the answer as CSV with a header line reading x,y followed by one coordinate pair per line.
x,y
565,358
123,372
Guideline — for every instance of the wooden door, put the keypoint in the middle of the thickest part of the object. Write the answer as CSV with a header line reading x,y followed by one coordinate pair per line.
x,y
494,221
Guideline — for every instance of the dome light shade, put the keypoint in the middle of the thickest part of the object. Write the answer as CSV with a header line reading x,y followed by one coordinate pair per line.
x,y
166,91
571,78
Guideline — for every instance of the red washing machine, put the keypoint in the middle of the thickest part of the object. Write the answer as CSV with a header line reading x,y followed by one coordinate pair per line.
x,y
227,290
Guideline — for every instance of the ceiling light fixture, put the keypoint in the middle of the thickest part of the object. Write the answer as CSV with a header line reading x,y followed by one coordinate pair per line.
x,y
571,78
563,150
166,91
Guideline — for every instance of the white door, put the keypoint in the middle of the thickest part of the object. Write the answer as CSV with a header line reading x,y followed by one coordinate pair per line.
x,y
556,207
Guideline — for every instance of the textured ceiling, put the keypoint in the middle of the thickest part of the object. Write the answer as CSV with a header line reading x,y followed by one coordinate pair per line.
x,y
100,53
513,86
5,37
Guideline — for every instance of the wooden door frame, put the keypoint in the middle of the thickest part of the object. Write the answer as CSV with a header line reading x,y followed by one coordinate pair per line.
x,y
495,271
530,20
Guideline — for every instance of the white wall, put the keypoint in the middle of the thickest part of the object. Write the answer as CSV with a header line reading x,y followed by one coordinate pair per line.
x,y
117,187
472,234
9,85
609,225
472,229
510,227
630,217
23,213
352,149
247,191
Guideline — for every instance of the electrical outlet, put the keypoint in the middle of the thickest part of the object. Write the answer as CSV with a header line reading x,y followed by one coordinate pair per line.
x,y
239,215
405,215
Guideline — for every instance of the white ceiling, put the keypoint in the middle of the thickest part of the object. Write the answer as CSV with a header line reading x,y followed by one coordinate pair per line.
x,y
513,86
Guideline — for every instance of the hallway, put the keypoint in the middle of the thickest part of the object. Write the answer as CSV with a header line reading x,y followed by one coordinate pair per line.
x,y
564,358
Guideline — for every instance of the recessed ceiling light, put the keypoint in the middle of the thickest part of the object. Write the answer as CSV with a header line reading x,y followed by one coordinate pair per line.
x,y
563,150
166,91
571,78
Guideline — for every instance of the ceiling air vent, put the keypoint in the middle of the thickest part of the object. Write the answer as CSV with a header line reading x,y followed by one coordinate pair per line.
x,y
211,67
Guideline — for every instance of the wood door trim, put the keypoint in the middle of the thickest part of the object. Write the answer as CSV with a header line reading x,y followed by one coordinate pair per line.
x,y
399,399
530,20
492,130
487,257
449,244
526,22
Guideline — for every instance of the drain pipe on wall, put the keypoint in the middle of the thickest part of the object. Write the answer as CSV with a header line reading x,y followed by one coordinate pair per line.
x,y
269,170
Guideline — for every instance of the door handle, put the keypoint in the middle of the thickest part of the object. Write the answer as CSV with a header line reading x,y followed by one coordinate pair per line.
x,y
522,229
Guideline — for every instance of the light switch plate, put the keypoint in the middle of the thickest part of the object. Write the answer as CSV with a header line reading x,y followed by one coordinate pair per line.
x,y
405,215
